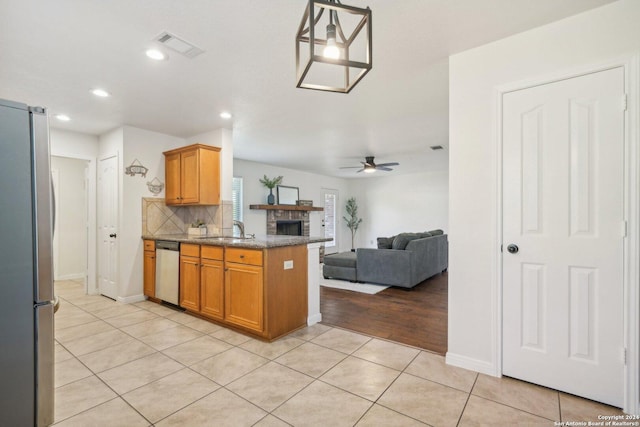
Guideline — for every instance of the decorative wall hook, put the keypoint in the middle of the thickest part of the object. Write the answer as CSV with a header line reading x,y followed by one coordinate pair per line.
x,y
155,185
136,168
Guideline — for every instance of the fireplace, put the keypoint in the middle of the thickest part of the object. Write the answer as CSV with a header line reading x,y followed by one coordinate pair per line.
x,y
289,227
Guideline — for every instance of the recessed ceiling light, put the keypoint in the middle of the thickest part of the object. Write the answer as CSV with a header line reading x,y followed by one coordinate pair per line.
x,y
63,117
156,54
100,92
225,115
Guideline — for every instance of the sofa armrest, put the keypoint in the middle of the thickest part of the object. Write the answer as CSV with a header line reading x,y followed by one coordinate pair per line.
x,y
385,266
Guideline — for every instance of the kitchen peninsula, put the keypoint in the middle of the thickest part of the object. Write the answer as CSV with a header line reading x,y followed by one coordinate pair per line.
x,y
266,286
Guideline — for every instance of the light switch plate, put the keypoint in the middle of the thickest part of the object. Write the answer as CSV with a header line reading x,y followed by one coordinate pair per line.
x,y
288,265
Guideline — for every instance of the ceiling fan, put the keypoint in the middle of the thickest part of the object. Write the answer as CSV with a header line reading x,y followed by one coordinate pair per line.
x,y
369,166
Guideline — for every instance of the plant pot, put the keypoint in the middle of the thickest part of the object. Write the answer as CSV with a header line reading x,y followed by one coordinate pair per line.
x,y
271,198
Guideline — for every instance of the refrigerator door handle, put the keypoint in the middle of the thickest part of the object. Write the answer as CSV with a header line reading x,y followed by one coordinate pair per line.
x,y
42,205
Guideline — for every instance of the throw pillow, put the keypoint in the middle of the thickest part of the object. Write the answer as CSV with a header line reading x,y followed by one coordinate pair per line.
x,y
385,242
436,232
402,240
425,234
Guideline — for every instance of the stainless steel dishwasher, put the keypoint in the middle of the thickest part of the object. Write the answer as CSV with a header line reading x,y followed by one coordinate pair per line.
x,y
167,271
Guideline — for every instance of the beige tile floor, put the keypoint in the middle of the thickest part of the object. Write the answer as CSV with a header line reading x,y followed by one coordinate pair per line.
x,y
144,364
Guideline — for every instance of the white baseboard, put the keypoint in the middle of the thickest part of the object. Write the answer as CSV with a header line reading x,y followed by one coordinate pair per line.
x,y
316,318
131,299
471,364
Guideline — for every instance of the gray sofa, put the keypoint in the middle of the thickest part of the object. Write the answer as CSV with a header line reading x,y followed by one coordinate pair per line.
x,y
404,260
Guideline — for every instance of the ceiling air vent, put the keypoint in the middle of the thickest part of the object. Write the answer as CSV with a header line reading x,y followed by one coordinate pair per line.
x,y
437,147
182,47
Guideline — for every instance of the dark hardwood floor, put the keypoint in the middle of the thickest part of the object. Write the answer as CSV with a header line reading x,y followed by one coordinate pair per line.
x,y
416,316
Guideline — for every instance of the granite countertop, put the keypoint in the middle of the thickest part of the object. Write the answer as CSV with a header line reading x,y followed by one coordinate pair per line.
x,y
259,242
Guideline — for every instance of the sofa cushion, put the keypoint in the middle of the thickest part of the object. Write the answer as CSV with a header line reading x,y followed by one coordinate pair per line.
x,y
385,242
343,259
401,240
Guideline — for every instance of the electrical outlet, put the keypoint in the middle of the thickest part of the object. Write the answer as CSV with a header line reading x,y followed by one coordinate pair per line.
x,y
288,265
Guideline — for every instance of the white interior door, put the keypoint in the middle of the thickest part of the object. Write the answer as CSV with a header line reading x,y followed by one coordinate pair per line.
x,y
563,208
330,221
108,227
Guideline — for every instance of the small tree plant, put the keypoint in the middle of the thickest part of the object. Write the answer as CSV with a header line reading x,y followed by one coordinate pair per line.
x,y
353,222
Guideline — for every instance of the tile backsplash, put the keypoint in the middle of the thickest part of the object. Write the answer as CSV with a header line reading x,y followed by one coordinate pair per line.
x,y
158,218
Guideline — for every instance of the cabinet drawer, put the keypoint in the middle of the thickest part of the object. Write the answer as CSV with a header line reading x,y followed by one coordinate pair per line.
x,y
149,245
212,252
190,250
244,256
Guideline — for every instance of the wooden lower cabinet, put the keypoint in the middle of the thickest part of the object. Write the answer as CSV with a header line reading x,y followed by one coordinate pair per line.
x,y
212,288
263,292
244,301
149,269
190,283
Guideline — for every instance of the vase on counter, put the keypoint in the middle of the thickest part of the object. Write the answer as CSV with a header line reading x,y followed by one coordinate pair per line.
x,y
270,198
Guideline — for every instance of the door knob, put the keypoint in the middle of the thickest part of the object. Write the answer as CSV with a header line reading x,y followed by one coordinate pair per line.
x,y
113,235
513,249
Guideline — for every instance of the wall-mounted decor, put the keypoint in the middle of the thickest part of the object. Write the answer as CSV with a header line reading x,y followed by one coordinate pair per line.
x,y
155,185
305,202
287,195
136,168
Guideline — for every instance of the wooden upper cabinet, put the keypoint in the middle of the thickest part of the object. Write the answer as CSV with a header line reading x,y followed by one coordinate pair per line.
x,y
192,175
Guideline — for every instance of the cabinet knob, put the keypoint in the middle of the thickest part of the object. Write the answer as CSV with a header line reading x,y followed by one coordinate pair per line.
x,y
241,256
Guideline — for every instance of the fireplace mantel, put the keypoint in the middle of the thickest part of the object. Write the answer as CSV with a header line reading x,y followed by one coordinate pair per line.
x,y
285,208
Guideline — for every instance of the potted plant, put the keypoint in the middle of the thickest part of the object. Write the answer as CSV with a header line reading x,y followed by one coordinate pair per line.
x,y
270,183
353,222
197,228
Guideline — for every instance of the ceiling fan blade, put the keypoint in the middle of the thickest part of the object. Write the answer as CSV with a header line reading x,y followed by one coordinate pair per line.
x,y
384,165
360,170
383,169
350,167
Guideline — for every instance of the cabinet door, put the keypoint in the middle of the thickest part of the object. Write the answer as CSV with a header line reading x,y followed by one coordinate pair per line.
x,y
244,296
149,274
190,283
212,288
189,177
172,179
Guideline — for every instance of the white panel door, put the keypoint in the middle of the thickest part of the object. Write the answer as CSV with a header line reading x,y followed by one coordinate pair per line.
x,y
563,208
330,221
108,227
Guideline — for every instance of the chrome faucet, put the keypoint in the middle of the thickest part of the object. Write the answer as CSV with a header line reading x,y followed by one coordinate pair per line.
x,y
240,225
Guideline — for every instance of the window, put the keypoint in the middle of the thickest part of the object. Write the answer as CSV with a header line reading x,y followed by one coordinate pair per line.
x,y
236,197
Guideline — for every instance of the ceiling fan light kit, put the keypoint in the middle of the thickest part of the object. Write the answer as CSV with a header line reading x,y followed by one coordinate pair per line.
x,y
369,166
333,46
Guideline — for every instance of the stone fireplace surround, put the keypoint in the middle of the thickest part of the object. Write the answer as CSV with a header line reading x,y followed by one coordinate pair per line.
x,y
274,215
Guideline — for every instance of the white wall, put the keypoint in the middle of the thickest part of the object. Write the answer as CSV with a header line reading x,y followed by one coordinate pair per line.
x,y
580,41
71,218
392,204
310,188
82,146
147,147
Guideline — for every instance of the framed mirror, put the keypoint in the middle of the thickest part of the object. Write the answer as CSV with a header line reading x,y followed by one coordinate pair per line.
x,y
287,195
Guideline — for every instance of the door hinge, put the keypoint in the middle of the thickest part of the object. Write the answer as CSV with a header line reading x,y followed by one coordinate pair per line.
x,y
623,228
624,102
624,356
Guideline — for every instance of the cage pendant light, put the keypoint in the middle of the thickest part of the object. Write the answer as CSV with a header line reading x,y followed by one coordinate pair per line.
x,y
333,46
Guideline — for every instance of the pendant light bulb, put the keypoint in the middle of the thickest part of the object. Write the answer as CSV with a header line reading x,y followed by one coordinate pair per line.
x,y
331,49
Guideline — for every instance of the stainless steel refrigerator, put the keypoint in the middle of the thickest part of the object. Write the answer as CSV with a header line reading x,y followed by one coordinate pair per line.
x,y
26,267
